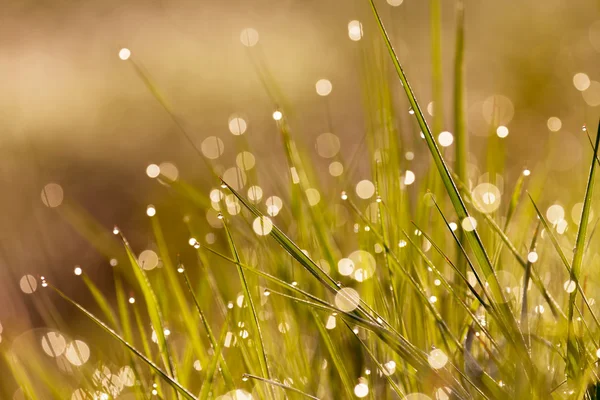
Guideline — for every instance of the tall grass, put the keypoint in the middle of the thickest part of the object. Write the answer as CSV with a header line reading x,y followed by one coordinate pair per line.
x,y
411,290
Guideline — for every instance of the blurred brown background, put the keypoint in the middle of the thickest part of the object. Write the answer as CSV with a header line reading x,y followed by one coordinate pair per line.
x,y
73,113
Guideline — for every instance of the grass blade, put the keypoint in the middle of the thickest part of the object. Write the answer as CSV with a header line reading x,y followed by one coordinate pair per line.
x,y
573,359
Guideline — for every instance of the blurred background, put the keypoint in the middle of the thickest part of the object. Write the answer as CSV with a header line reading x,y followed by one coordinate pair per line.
x,y
75,115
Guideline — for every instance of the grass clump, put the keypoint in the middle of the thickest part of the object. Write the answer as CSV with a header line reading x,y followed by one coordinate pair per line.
x,y
392,289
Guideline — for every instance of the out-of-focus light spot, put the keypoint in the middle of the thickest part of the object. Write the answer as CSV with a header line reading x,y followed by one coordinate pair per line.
x,y
283,327
554,124
430,109
443,393
274,205
52,195
54,344
124,54
347,299
364,264
395,3
336,168
389,368
262,226
569,286
148,259
323,87
502,131
437,359
409,177
526,172
210,238
432,299
150,211
581,81
152,170
216,195
539,309
361,390
498,109
402,243
235,177
294,175
365,189
197,365
576,212
592,94
127,376
131,300
77,353
532,257
313,196
237,125
78,270
594,35
212,147
169,171
115,230
255,193
469,224
28,284
249,37
355,31
327,145
555,213
561,226
409,155
277,115
345,266
486,197
233,204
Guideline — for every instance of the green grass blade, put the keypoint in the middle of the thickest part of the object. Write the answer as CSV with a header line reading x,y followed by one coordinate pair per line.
x,y
209,332
153,308
578,254
262,355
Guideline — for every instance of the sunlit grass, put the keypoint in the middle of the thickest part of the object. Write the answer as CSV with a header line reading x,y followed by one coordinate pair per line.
x,y
449,285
